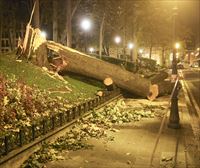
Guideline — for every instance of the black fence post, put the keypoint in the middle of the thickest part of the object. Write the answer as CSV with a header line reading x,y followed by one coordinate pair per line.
x,y
61,118
6,144
33,132
53,122
20,137
74,112
68,115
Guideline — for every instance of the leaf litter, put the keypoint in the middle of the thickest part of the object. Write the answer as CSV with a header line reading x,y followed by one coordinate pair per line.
x,y
96,125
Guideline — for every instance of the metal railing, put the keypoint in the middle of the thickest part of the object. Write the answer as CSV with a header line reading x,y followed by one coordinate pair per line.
x,y
43,126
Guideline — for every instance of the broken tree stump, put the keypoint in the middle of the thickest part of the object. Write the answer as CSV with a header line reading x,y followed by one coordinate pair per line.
x,y
108,82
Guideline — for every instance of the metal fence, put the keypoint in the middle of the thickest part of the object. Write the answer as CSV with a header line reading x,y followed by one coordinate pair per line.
x,y
43,126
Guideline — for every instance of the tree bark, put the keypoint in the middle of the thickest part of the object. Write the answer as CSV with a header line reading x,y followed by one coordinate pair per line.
x,y
101,36
75,8
135,49
88,66
36,16
55,20
163,57
161,76
0,31
68,23
150,51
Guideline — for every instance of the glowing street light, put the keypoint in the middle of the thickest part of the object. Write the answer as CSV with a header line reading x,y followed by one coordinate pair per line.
x,y
43,34
198,49
130,45
177,45
91,49
117,39
86,24
140,50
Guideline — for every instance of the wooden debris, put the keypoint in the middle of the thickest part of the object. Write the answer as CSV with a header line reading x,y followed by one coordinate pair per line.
x,y
99,93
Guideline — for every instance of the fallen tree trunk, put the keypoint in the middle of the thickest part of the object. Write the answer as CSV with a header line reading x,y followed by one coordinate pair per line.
x,y
161,76
165,87
83,64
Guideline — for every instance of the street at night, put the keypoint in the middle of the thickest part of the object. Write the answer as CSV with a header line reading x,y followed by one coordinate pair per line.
x,y
192,80
99,84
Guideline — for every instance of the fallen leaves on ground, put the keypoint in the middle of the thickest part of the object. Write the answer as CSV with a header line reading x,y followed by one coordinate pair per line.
x,y
95,125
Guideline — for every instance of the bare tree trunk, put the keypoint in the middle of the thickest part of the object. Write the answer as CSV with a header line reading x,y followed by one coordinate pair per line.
x,y
68,23
75,8
124,32
55,20
0,32
163,61
101,33
37,14
150,51
135,49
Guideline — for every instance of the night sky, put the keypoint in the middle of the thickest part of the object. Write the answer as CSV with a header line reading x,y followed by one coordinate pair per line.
x,y
188,12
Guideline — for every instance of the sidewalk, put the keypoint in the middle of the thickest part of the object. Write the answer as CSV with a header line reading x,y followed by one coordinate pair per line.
x,y
133,145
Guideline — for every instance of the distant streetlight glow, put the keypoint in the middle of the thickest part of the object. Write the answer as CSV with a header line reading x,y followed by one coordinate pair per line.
x,y
177,45
117,39
86,24
198,49
130,45
140,51
192,53
91,49
43,34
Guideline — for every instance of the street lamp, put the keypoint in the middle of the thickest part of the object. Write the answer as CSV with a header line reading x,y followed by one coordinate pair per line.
x,y
177,45
174,112
140,51
91,49
130,46
86,26
117,41
43,34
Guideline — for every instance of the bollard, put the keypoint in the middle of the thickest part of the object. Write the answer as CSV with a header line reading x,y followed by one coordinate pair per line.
x,y
174,112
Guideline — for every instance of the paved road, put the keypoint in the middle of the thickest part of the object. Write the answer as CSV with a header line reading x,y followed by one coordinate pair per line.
x,y
192,80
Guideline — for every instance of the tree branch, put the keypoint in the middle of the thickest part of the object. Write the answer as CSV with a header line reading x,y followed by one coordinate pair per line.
x,y
75,8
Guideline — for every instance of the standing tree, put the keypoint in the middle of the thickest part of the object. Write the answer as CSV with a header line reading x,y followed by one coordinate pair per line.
x,y
36,16
55,20
69,15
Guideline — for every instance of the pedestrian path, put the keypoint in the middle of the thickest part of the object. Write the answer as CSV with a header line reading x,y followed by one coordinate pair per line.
x,y
133,144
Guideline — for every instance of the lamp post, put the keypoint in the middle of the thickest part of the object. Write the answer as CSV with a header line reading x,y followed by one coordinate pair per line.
x,y
117,41
174,112
86,26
